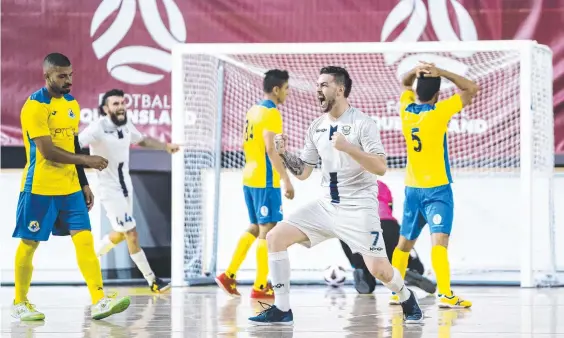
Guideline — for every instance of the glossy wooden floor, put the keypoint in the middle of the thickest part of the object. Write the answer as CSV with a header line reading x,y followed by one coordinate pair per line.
x,y
318,312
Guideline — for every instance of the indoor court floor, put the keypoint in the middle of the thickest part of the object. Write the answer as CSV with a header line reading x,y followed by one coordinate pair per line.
x,y
318,312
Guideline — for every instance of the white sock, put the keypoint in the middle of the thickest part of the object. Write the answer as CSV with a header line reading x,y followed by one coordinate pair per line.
x,y
398,286
279,265
104,246
143,265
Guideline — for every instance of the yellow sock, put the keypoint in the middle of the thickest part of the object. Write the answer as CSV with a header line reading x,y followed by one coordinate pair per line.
x,y
439,257
89,264
262,264
399,261
240,253
23,270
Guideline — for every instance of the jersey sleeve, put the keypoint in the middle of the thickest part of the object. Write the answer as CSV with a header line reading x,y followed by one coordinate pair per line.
x,y
89,135
407,97
309,153
273,121
446,109
34,118
370,138
136,135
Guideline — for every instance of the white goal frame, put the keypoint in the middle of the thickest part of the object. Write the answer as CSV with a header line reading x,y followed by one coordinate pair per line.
x,y
222,50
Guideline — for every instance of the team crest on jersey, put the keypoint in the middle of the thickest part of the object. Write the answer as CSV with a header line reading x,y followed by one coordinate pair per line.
x,y
71,114
346,130
33,226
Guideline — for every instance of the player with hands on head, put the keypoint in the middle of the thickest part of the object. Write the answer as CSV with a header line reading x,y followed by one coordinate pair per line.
x,y
261,183
352,155
111,136
55,197
428,192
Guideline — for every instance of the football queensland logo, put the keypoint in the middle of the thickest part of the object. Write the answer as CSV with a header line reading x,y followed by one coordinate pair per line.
x,y
415,12
121,62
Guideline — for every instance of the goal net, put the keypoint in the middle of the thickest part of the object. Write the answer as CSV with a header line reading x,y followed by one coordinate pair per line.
x,y
501,151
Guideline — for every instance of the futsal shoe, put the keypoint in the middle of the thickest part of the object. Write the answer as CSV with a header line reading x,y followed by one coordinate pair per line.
x,y
227,284
412,313
159,286
453,302
414,278
26,312
364,283
394,299
109,305
272,316
264,293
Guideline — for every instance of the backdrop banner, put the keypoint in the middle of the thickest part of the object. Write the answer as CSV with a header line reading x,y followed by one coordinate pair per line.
x,y
126,44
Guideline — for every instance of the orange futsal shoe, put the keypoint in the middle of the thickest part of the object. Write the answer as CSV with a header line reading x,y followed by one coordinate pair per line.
x,y
264,293
227,284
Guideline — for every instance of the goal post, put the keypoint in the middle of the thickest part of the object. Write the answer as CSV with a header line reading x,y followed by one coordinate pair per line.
x,y
501,151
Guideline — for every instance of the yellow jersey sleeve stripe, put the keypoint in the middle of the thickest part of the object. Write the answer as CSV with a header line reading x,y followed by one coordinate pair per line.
x,y
31,168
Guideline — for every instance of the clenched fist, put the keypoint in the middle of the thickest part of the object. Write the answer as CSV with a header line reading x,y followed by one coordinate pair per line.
x,y
340,142
280,143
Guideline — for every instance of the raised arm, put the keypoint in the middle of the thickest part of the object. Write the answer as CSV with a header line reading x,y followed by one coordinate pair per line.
x,y
149,142
296,165
468,88
409,79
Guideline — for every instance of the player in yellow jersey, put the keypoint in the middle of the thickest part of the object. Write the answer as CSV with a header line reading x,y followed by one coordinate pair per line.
x,y
261,183
428,193
55,197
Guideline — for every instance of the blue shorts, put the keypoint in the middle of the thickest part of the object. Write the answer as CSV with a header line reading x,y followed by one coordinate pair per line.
x,y
38,216
263,204
433,206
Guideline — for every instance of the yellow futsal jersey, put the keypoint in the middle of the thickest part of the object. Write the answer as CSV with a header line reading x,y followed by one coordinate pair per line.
x,y
43,115
258,172
425,127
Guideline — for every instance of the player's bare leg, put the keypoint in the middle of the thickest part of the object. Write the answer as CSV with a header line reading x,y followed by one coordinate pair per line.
x,y
109,242
227,280
381,268
21,307
138,256
279,240
441,266
262,289
102,305
400,260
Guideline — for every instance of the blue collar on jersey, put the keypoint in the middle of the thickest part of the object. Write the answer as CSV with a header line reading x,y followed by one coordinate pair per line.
x,y
267,104
419,108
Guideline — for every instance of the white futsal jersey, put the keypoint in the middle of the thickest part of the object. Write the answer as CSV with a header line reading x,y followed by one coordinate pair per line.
x,y
345,180
349,208
115,188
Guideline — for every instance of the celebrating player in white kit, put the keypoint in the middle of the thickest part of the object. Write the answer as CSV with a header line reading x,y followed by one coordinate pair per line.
x,y
111,137
348,143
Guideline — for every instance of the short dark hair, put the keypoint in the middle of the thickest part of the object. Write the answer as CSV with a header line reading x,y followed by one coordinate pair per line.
x,y
341,77
274,78
427,87
113,92
56,60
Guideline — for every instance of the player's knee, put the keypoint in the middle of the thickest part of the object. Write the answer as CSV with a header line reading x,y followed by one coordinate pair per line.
x,y
276,240
378,267
253,229
405,245
264,229
440,239
132,235
30,245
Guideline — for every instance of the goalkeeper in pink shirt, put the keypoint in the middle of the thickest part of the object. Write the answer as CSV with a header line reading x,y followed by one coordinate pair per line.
x,y
364,282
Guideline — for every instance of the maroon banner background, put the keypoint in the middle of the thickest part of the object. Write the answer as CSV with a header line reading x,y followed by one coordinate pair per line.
x,y
131,42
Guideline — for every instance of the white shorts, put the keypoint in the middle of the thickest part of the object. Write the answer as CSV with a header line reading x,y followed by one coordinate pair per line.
x,y
119,210
358,226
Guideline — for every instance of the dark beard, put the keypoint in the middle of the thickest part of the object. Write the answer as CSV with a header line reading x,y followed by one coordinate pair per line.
x,y
58,90
330,104
118,122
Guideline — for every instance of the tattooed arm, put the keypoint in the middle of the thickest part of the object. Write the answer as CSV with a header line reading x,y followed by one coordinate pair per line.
x,y
298,167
